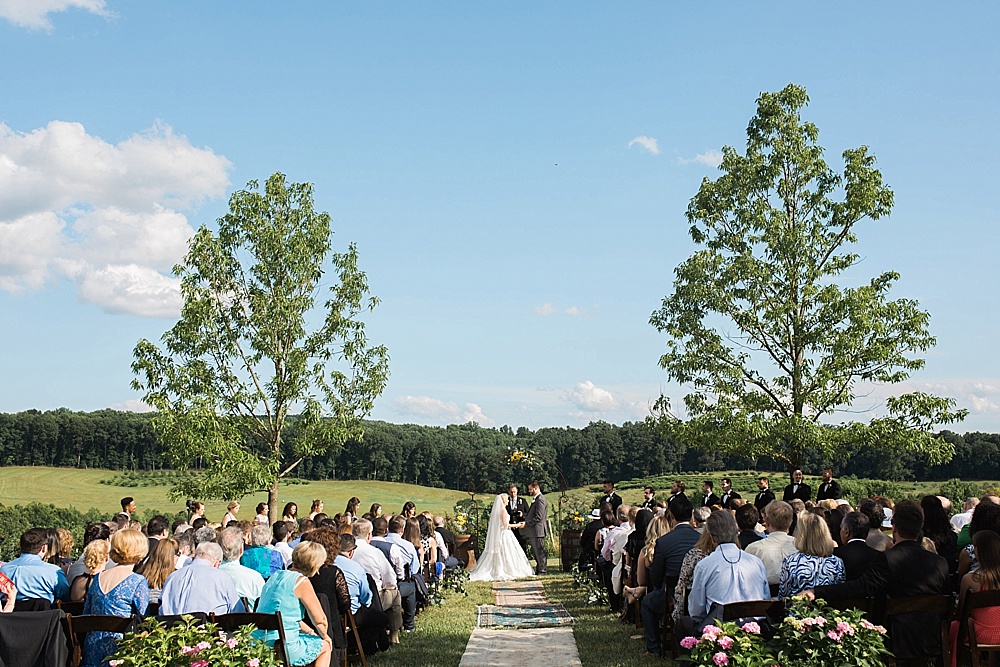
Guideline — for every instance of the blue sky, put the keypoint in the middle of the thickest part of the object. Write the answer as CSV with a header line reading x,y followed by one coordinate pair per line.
x,y
515,178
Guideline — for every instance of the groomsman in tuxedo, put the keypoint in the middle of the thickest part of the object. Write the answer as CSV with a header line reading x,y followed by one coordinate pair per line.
x,y
829,489
765,496
728,495
610,496
676,491
648,501
797,489
517,507
708,494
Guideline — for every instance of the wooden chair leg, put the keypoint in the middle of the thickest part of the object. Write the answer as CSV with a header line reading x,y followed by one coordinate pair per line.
x,y
357,638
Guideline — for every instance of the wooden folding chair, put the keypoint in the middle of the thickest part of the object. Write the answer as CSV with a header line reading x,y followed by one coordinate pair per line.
x,y
667,622
966,631
753,608
269,622
941,605
351,628
74,608
78,626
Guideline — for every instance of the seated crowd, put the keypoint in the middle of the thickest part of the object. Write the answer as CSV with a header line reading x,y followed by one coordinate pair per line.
x,y
672,565
316,571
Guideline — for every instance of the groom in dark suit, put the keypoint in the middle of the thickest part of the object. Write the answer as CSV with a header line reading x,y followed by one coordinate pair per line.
x,y
517,508
535,525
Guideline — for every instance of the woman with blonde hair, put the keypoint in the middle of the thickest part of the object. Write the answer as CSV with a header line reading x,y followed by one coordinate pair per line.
x,y
160,565
232,509
291,593
117,591
813,564
657,528
95,559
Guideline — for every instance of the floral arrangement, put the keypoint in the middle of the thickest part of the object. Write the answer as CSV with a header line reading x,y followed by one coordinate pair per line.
x,y
521,457
812,634
191,643
576,517
470,518
596,593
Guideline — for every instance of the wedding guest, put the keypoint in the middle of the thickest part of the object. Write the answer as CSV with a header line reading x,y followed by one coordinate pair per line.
x,y
747,518
290,514
986,578
291,593
772,549
117,591
381,571
160,565
409,510
200,586
282,531
232,509
352,509
855,552
94,531
261,517
376,510
876,538
33,577
247,581
702,548
814,563
658,527
317,507
938,529
965,516
95,557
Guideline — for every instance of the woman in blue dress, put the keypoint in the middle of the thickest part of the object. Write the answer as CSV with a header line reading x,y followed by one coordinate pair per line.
x,y
814,563
117,591
290,592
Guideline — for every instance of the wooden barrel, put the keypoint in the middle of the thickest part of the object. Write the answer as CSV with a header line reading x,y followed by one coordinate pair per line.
x,y
465,550
570,549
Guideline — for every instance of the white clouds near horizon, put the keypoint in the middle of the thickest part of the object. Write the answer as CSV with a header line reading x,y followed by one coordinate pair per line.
x,y
34,14
108,217
443,412
648,144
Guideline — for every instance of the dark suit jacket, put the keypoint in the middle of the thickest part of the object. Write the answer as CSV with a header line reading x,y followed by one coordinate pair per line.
x,y
857,557
763,499
669,552
748,537
829,491
728,498
711,500
648,504
536,518
905,570
674,497
803,493
614,499
517,515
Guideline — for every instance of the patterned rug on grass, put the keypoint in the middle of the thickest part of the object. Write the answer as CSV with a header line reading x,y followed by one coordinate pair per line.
x,y
542,616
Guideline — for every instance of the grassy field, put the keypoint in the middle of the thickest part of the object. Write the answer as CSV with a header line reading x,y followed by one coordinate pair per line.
x,y
70,487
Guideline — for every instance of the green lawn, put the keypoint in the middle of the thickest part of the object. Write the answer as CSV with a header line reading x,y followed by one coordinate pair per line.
x,y
71,487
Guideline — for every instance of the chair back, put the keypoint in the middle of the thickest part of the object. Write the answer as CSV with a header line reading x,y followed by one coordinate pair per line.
x,y
864,605
975,600
74,608
78,626
753,608
33,604
269,622
942,605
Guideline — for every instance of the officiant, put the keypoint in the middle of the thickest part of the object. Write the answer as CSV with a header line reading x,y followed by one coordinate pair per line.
x,y
517,507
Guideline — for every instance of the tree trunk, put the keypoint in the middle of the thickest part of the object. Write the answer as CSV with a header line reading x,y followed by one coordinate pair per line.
x,y
272,502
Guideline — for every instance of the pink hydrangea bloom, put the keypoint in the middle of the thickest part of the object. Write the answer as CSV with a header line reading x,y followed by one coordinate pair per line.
x,y
199,663
726,642
188,650
253,662
834,635
203,645
711,632
752,628
819,620
689,642
231,642
721,659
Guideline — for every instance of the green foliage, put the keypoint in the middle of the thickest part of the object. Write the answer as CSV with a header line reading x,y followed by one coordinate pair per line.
x,y
594,591
263,331
577,516
757,324
855,490
144,479
16,519
191,642
729,644
957,491
471,517
814,634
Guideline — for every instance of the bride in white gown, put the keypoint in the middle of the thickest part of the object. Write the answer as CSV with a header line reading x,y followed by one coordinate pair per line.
x,y
502,558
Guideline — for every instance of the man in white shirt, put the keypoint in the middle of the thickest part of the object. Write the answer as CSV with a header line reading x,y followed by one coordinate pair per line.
x,y
959,520
376,564
399,560
614,545
248,582
282,531
778,543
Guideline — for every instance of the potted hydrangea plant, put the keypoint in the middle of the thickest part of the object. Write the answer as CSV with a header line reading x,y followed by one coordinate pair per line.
x,y
191,643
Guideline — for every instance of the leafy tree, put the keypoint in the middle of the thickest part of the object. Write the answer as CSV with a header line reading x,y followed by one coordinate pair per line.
x,y
252,345
757,324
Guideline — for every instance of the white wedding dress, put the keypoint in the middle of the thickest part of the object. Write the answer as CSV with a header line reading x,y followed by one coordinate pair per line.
x,y
502,558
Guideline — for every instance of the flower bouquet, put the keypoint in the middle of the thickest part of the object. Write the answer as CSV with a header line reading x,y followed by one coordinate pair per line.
x,y
191,643
813,634
729,645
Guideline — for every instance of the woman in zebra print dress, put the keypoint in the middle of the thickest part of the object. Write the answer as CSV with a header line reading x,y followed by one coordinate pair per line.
x,y
814,563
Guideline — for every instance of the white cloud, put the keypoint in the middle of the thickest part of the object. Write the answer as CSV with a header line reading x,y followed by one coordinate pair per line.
x,y
544,310
131,405
590,398
710,158
648,144
979,397
574,311
34,13
442,411
109,217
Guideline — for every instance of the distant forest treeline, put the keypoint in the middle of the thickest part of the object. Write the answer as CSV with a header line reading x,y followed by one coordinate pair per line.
x,y
458,456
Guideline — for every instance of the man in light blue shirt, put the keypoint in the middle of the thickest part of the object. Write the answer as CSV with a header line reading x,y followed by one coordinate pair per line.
x,y
33,577
357,578
248,582
200,586
395,536
727,575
